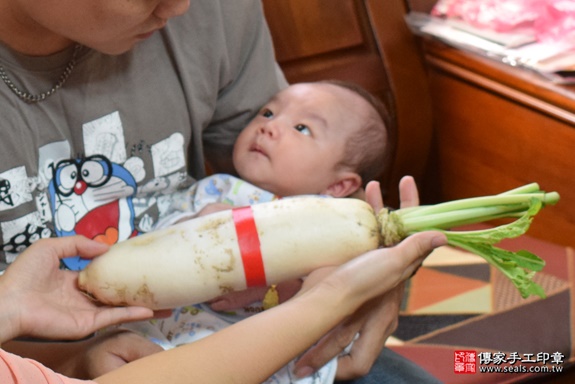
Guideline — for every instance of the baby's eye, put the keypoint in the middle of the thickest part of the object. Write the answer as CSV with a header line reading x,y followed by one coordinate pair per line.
x,y
267,113
304,129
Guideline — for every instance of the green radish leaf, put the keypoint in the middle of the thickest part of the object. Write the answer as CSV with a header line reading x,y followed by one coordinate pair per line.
x,y
521,204
518,267
528,260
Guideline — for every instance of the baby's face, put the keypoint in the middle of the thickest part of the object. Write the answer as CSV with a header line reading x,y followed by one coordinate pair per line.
x,y
294,144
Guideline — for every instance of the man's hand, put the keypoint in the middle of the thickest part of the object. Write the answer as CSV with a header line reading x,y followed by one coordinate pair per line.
x,y
89,358
241,299
111,350
368,329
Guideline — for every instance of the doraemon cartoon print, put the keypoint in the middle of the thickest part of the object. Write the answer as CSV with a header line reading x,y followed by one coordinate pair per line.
x,y
92,197
113,191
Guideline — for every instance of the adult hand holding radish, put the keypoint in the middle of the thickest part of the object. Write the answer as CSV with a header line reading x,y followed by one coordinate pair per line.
x,y
45,299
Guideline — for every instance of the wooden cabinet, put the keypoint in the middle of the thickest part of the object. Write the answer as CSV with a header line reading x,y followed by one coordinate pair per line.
x,y
498,127
366,42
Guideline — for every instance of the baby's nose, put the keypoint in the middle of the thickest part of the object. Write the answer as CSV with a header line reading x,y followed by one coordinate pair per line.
x,y
270,129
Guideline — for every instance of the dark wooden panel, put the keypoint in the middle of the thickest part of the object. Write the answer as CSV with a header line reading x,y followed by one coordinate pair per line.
x,y
408,84
303,28
493,134
322,39
421,5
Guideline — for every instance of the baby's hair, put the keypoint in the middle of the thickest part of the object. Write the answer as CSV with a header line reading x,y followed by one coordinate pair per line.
x,y
369,151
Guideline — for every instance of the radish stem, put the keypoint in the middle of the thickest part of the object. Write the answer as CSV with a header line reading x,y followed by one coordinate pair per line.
x,y
520,204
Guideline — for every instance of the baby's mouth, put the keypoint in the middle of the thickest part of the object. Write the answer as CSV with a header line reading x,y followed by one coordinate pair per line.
x,y
257,148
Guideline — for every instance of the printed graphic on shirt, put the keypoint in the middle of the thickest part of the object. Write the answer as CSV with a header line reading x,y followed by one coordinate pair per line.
x,y
5,193
95,194
15,188
21,233
92,196
105,136
168,156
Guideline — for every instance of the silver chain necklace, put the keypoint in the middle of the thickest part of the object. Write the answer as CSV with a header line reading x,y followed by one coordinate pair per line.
x,y
30,98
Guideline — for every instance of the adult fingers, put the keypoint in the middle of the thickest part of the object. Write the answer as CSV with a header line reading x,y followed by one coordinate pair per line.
x,y
379,271
417,247
380,322
111,316
69,246
373,195
238,299
408,192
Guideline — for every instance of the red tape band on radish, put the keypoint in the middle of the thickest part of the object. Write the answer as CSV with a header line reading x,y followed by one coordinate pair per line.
x,y
249,243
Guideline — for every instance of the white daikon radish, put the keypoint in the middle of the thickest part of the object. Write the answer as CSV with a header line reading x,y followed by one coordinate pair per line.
x,y
200,259
272,242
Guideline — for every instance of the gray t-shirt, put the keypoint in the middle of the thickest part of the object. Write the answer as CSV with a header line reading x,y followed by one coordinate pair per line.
x,y
101,156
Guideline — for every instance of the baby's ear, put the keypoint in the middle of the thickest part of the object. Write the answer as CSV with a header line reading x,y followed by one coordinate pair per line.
x,y
346,184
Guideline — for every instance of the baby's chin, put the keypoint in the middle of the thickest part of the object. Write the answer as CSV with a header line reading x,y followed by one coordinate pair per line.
x,y
255,178
258,178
